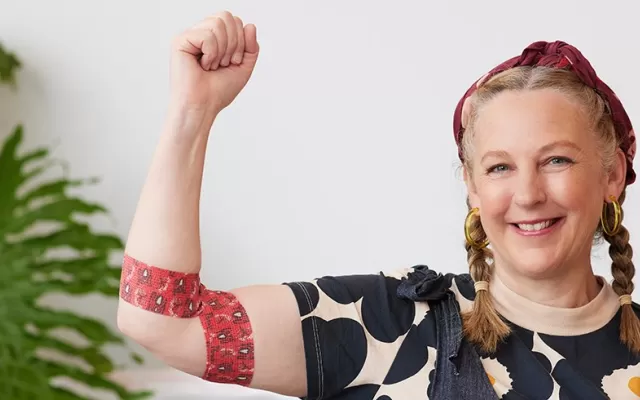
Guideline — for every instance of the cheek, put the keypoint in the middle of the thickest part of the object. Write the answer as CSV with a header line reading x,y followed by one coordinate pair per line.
x,y
494,198
575,194
566,192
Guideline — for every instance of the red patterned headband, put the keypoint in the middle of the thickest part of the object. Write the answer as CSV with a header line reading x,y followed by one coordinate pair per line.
x,y
558,55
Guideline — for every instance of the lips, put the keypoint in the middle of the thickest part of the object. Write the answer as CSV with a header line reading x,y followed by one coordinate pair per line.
x,y
538,226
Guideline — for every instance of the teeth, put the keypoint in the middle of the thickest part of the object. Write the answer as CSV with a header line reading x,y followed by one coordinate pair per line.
x,y
535,227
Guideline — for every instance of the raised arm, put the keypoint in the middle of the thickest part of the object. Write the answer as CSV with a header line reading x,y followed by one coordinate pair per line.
x,y
249,336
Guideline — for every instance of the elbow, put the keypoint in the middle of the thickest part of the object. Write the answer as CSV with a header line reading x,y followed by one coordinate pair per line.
x,y
151,331
125,325
133,327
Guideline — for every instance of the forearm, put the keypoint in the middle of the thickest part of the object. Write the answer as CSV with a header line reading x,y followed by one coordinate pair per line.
x,y
165,230
165,234
163,307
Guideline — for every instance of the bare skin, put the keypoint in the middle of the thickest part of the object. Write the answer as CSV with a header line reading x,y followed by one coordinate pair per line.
x,y
210,64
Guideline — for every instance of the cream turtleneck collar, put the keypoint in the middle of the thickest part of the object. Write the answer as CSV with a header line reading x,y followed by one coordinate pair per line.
x,y
555,320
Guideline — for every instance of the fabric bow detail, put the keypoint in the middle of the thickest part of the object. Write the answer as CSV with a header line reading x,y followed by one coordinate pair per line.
x,y
424,284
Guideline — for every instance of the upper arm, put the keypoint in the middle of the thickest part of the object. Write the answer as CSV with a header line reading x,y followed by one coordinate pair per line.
x,y
353,329
300,339
279,363
249,336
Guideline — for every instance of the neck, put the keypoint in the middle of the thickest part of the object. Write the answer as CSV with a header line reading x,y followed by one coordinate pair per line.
x,y
559,307
574,288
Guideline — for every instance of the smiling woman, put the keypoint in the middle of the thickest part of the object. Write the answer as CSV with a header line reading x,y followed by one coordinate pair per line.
x,y
542,194
547,150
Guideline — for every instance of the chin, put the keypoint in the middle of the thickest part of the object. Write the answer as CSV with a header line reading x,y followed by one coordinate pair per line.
x,y
535,263
537,253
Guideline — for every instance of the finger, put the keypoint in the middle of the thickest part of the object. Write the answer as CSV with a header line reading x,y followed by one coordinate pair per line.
x,y
209,49
220,33
216,25
199,43
237,55
232,37
251,45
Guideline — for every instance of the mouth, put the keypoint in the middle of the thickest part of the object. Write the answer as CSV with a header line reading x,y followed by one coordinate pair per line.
x,y
538,227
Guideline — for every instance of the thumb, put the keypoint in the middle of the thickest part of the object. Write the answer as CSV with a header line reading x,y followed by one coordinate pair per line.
x,y
251,46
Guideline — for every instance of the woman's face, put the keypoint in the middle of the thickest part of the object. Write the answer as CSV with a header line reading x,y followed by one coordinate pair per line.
x,y
537,178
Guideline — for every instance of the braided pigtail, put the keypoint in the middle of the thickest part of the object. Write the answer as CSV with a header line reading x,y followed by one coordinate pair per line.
x,y
482,325
623,271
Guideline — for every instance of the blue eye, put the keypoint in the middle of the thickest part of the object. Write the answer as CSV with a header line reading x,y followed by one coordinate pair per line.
x,y
559,160
497,168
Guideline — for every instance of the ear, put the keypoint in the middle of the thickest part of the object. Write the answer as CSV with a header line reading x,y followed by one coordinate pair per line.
x,y
474,200
617,176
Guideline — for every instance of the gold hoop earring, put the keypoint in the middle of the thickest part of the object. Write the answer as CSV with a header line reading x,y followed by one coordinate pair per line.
x,y
467,231
617,217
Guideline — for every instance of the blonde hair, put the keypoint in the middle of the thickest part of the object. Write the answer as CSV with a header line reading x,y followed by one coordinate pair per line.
x,y
482,325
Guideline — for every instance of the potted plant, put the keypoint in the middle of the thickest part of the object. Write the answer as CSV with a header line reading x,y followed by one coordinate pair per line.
x,y
40,220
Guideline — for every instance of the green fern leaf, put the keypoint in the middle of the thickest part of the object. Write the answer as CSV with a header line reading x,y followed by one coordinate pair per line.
x,y
29,270
51,189
9,64
62,210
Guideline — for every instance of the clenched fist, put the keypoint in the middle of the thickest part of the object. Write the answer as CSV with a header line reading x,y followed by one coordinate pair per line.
x,y
210,64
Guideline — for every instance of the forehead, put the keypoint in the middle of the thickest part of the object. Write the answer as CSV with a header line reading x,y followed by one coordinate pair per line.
x,y
524,121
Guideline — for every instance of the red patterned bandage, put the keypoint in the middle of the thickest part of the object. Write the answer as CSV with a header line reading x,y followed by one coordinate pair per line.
x,y
227,329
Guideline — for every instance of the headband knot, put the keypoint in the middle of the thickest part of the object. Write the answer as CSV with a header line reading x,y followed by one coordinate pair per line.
x,y
560,55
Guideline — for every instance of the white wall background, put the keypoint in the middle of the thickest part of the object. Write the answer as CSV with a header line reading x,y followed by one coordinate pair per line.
x,y
338,157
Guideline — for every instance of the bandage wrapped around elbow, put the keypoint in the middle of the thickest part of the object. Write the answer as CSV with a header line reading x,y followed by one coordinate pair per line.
x,y
226,325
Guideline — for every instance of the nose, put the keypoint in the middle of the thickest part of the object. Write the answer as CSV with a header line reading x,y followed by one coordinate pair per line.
x,y
530,189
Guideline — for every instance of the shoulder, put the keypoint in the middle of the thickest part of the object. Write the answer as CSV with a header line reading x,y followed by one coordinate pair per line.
x,y
372,329
336,294
391,291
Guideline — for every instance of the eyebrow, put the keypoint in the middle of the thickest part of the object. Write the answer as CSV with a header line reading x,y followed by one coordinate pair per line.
x,y
543,149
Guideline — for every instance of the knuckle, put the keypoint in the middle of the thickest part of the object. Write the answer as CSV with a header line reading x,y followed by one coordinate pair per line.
x,y
207,33
218,23
225,14
209,36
